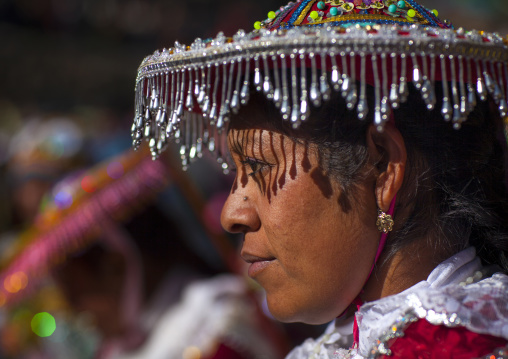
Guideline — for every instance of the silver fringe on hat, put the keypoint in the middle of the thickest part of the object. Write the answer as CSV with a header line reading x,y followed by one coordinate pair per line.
x,y
189,93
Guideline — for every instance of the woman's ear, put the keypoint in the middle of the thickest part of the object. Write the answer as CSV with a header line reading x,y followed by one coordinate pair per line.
x,y
389,150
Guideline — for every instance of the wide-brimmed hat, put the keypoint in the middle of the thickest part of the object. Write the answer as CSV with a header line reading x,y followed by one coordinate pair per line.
x,y
301,53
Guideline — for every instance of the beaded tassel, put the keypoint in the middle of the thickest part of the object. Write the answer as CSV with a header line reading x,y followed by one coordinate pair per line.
x,y
192,101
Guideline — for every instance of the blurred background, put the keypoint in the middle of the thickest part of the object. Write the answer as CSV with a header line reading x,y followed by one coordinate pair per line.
x,y
67,71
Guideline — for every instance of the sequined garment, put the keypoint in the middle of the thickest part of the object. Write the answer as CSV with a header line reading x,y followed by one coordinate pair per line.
x,y
453,296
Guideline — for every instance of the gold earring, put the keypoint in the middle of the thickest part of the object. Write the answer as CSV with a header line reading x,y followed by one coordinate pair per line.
x,y
384,222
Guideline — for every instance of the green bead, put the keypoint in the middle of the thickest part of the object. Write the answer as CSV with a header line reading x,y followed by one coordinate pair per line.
x,y
435,12
271,15
392,8
411,13
314,15
401,4
334,11
257,25
321,5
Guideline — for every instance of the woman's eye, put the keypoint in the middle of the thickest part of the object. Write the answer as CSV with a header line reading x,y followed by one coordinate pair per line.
x,y
255,165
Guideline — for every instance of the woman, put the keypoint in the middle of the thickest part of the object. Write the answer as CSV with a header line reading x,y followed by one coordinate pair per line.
x,y
385,197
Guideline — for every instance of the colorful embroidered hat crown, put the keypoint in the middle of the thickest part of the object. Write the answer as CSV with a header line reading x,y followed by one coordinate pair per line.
x,y
301,53
342,12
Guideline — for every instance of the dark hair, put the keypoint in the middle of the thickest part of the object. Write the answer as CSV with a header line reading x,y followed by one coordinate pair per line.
x,y
466,176
455,180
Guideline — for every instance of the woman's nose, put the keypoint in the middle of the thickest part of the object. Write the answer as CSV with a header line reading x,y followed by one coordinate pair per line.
x,y
239,214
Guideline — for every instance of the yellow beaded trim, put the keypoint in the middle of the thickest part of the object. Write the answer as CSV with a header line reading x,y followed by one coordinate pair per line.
x,y
365,17
303,14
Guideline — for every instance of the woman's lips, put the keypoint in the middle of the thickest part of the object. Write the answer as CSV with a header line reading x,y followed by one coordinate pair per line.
x,y
257,264
257,267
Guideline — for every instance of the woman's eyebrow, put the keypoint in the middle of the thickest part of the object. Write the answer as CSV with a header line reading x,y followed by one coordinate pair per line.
x,y
234,143
242,140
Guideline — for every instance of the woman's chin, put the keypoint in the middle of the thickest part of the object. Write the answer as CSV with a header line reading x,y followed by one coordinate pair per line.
x,y
288,312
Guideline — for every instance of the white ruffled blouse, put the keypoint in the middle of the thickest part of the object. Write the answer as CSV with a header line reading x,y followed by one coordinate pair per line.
x,y
452,295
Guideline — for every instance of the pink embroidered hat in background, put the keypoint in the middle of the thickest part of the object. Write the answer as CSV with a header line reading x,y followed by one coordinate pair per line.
x,y
301,53
82,208
73,218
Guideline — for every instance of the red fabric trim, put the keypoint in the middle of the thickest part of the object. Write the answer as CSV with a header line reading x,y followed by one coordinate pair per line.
x,y
356,332
289,14
426,341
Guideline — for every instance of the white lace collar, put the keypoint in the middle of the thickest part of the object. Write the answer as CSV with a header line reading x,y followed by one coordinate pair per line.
x,y
439,299
374,317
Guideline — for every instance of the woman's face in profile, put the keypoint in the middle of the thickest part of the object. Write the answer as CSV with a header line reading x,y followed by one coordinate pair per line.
x,y
310,247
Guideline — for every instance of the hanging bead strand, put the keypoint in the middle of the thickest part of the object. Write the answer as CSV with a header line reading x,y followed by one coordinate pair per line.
x,y
304,98
213,110
456,118
431,98
235,98
315,95
378,119
277,93
394,96
501,98
446,110
471,92
480,85
295,113
336,75
363,107
257,75
462,90
352,96
244,95
403,88
385,105
323,79
345,75
285,108
267,84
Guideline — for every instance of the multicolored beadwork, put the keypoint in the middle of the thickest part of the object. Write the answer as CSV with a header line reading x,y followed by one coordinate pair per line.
x,y
188,93
353,11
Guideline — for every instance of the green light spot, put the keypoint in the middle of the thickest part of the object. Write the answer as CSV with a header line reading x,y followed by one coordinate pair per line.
x,y
43,324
